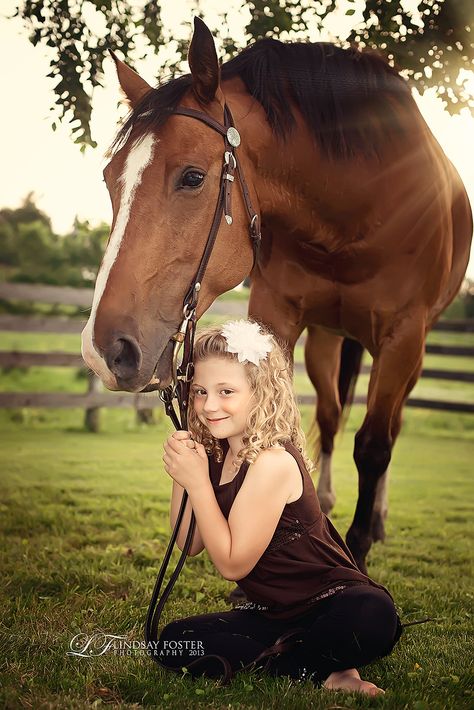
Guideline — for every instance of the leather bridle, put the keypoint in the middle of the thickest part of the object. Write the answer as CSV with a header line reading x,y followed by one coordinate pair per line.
x,y
182,373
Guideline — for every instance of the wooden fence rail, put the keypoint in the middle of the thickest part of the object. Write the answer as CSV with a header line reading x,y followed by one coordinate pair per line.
x,y
68,326
20,359
89,400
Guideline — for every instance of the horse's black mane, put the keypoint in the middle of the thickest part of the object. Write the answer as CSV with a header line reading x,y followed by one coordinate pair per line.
x,y
348,98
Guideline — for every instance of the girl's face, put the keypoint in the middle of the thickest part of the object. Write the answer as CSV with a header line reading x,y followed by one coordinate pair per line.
x,y
222,396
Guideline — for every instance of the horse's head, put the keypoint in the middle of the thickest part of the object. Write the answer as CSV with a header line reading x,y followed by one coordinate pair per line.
x,y
164,183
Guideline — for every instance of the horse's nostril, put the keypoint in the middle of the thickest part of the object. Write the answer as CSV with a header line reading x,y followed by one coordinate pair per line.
x,y
124,357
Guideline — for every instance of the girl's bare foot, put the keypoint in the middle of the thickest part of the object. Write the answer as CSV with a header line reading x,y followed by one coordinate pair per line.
x,y
350,680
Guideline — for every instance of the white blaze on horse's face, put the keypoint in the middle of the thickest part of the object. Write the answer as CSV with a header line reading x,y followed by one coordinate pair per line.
x,y
140,156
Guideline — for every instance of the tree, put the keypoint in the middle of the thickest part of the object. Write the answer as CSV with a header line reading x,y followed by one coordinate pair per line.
x,y
431,44
28,212
11,221
31,252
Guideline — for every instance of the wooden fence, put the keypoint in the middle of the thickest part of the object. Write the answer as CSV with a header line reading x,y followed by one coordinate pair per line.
x,y
96,398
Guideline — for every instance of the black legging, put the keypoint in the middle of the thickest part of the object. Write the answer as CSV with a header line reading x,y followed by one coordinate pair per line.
x,y
347,630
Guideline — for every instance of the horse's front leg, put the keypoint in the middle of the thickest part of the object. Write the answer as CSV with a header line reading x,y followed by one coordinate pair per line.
x,y
395,370
322,357
274,310
380,510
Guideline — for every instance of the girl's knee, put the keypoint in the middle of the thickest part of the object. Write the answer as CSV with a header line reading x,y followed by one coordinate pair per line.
x,y
381,620
173,630
171,649
372,617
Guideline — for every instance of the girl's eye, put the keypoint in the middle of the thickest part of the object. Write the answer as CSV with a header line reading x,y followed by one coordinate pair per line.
x,y
192,179
227,391
198,392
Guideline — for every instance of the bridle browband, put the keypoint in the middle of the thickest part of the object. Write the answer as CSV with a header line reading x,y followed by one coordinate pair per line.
x,y
182,373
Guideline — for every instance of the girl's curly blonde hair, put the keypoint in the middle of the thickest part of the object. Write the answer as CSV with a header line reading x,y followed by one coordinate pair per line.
x,y
274,416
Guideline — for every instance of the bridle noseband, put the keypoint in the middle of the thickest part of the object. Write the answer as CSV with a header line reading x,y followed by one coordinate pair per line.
x,y
182,373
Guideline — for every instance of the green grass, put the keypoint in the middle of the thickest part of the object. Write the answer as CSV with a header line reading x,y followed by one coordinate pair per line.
x,y
85,524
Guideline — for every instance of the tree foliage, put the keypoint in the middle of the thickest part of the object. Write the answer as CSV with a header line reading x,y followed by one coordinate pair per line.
x,y
30,252
431,45
431,48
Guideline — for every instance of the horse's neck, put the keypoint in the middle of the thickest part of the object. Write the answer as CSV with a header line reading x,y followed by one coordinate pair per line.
x,y
333,201
293,172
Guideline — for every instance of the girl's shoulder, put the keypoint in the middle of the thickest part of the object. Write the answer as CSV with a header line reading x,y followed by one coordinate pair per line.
x,y
276,457
284,450
276,467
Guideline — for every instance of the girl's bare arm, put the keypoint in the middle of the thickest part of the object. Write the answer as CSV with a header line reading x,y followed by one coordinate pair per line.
x,y
197,545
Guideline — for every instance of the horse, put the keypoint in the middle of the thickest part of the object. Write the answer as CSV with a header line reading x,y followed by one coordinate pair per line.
x,y
365,232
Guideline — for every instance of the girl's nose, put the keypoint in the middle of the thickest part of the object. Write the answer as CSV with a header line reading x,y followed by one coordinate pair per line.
x,y
210,405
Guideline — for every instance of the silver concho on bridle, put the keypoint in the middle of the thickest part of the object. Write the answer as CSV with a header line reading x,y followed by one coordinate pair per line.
x,y
233,136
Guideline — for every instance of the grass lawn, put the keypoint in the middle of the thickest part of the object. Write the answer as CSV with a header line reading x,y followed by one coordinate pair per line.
x,y
84,523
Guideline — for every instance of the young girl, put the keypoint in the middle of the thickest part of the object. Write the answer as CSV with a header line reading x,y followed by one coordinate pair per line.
x,y
258,516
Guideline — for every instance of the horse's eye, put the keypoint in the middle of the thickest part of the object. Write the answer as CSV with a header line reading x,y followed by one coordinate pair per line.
x,y
192,178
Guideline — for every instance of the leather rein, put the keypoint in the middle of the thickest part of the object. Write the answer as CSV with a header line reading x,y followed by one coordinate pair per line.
x,y
182,373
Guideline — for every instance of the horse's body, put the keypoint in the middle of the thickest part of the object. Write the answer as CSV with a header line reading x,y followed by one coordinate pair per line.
x,y
366,229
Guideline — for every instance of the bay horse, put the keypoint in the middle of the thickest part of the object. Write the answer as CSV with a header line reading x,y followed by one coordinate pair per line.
x,y
365,224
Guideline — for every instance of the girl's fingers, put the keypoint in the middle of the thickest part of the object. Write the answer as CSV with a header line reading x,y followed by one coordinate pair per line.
x,y
175,445
170,449
181,434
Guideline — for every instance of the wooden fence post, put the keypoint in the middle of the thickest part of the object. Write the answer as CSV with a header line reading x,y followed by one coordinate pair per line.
x,y
144,415
92,419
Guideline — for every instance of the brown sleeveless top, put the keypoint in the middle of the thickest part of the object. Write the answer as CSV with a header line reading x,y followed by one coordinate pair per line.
x,y
306,559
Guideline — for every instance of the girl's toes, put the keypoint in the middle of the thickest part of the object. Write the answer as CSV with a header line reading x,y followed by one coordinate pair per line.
x,y
371,688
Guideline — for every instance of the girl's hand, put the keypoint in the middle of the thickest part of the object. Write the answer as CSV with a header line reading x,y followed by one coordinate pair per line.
x,y
185,460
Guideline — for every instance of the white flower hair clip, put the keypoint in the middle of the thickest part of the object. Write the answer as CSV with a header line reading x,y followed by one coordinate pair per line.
x,y
247,341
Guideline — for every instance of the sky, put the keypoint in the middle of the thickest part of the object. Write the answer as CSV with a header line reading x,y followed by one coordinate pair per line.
x,y
66,182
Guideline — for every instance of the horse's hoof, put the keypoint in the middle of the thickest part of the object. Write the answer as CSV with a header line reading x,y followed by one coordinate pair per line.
x,y
237,596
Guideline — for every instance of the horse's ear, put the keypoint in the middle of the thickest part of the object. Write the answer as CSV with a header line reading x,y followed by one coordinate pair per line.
x,y
133,86
202,59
